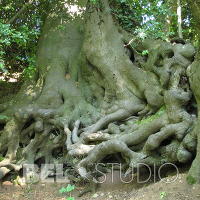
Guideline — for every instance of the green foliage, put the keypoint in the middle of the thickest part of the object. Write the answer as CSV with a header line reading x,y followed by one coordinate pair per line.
x,y
163,195
67,189
2,64
152,117
18,41
145,52
70,198
3,117
1,158
143,18
153,19
154,14
124,13
93,1
16,51
31,69
191,180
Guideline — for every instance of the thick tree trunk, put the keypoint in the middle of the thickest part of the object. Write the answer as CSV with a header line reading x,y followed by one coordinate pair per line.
x,y
94,96
194,74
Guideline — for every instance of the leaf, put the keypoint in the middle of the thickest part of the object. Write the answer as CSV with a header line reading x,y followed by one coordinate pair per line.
x,y
62,190
70,188
3,117
163,195
145,52
70,198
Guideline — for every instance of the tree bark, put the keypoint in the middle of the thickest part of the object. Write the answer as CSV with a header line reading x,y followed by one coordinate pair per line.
x,y
179,14
194,73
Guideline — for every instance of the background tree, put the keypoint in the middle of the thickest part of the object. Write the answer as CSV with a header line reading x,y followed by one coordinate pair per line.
x,y
179,14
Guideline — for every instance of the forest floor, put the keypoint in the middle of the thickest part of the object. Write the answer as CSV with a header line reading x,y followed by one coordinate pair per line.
x,y
177,189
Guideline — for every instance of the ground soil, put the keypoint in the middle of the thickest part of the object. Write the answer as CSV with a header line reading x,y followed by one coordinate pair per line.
x,y
177,189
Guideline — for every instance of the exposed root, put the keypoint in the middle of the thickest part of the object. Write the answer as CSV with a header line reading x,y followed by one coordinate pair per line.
x,y
116,116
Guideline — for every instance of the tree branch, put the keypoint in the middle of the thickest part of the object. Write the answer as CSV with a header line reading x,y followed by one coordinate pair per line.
x,y
23,9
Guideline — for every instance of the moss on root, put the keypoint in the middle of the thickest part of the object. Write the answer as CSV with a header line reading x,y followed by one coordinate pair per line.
x,y
149,119
191,180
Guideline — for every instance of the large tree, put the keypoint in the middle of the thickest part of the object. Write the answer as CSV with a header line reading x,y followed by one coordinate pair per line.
x,y
194,74
100,91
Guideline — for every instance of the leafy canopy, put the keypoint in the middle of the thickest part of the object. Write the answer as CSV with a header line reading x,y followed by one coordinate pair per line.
x,y
144,18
